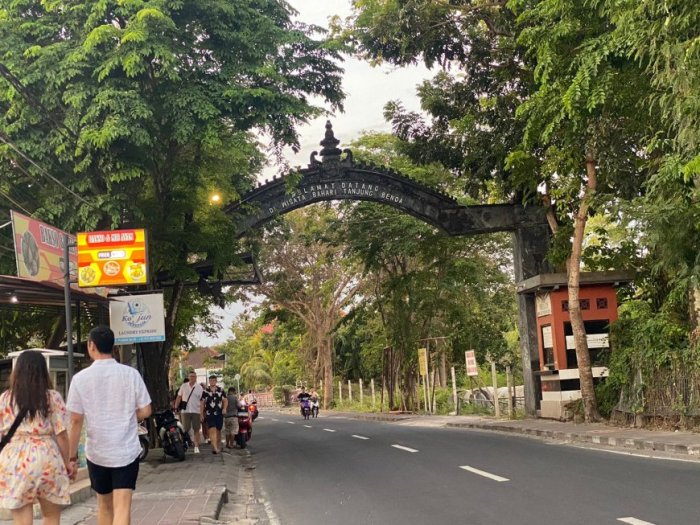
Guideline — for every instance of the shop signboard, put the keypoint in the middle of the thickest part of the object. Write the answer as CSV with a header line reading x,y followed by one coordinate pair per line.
x,y
423,361
137,318
472,367
39,249
112,258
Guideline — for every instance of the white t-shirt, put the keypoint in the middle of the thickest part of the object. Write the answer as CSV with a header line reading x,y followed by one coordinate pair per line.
x,y
108,395
194,403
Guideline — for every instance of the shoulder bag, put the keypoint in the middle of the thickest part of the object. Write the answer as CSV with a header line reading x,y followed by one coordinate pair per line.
x,y
183,404
7,437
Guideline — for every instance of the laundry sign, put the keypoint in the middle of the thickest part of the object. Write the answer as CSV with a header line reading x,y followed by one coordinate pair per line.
x,y
137,318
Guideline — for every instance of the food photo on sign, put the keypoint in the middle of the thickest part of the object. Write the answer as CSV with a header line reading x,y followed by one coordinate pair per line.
x,y
112,258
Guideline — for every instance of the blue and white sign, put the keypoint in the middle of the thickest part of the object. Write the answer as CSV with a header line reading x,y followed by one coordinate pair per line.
x,y
137,319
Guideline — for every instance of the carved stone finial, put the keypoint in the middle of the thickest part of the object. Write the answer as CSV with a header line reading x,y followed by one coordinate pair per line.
x,y
330,144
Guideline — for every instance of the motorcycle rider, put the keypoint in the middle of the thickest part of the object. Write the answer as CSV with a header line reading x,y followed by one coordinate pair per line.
x,y
314,401
303,396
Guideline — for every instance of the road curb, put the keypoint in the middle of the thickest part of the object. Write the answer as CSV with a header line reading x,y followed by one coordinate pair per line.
x,y
576,437
216,499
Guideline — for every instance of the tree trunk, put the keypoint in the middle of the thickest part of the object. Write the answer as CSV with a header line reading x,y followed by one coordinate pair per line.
x,y
327,361
573,266
156,356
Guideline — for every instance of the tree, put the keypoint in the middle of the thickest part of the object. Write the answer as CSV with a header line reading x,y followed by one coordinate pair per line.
x,y
423,283
139,109
583,129
307,275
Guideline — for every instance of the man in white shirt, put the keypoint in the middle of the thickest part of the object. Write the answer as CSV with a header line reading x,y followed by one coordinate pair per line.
x,y
191,393
111,397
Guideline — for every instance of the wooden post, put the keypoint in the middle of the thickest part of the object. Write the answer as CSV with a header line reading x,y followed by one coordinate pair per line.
x,y
361,393
371,384
454,391
340,391
509,382
349,391
494,380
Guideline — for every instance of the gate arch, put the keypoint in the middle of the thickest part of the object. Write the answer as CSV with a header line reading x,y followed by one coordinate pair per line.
x,y
337,176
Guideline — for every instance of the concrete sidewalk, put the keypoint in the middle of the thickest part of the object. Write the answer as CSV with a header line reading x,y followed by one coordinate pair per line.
x,y
205,488
672,442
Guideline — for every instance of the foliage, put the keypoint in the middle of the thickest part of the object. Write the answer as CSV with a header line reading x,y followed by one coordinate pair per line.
x,y
140,109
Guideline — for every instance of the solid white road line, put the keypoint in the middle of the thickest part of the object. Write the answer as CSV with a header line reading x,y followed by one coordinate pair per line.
x,y
634,521
483,473
404,448
359,437
329,430
308,426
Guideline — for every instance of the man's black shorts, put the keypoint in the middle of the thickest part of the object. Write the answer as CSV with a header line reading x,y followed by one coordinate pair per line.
x,y
215,421
104,480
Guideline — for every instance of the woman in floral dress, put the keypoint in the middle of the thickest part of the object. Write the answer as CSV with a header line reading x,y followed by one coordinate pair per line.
x,y
34,466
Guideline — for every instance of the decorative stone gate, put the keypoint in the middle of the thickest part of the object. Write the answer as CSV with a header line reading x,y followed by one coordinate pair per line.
x,y
338,176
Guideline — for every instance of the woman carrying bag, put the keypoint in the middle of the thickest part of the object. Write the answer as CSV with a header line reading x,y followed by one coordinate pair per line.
x,y
34,460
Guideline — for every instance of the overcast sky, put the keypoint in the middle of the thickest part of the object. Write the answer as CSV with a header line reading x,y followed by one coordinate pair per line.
x,y
367,90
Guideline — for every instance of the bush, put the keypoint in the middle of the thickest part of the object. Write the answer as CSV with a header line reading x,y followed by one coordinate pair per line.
x,y
281,394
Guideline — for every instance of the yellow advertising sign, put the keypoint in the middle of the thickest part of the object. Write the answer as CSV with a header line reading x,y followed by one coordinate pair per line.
x,y
112,258
423,361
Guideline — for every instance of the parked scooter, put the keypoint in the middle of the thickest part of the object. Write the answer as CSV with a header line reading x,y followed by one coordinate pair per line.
x,y
305,405
314,408
245,426
143,440
172,435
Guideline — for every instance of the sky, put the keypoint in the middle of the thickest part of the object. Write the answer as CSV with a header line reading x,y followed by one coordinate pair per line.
x,y
367,90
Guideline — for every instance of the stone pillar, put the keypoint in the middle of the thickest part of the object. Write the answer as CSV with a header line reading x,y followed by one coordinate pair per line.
x,y
530,245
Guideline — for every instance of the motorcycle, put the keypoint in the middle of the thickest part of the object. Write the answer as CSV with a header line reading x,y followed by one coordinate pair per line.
x,y
314,408
253,409
305,408
143,440
245,426
172,435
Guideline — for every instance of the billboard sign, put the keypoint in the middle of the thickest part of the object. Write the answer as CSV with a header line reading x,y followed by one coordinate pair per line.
x,y
39,249
137,318
472,367
112,258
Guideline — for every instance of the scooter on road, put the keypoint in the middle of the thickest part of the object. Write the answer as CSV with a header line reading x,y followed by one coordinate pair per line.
x,y
245,426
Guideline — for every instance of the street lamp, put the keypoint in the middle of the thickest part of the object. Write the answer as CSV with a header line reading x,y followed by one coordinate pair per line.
x,y
215,198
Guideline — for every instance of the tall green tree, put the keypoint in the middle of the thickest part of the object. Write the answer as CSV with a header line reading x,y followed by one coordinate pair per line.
x,y
140,109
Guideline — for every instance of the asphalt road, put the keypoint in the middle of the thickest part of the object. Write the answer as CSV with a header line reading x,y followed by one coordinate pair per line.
x,y
343,471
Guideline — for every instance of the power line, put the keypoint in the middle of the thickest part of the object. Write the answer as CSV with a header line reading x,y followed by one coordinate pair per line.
x,y
7,141
14,202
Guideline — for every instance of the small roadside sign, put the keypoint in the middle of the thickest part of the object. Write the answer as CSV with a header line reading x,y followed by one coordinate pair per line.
x,y
423,361
472,367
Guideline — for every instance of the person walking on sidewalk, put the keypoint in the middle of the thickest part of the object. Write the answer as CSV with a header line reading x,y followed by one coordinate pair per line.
x,y
34,462
188,401
231,418
110,398
214,404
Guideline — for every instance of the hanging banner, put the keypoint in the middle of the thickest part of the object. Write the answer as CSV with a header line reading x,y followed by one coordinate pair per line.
x,y
472,367
423,361
112,258
39,250
137,318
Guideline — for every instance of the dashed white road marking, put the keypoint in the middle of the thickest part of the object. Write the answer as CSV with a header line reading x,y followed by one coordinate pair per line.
x,y
484,473
359,437
273,419
400,447
634,521
308,426
291,422
329,430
